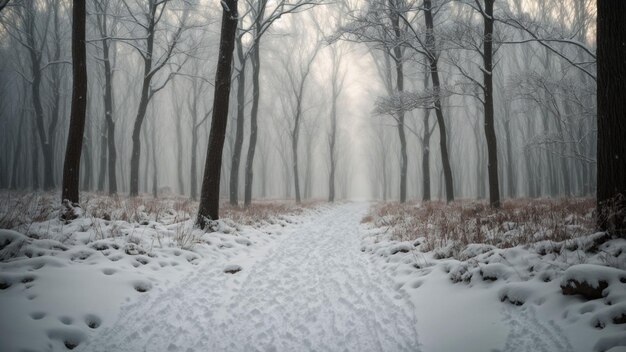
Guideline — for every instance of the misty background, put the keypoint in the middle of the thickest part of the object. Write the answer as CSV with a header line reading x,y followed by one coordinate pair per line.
x,y
319,58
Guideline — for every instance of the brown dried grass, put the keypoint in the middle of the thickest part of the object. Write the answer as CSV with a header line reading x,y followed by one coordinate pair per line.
x,y
18,209
518,221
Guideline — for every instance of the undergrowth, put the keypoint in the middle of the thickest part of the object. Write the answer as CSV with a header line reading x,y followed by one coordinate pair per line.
x,y
20,209
455,225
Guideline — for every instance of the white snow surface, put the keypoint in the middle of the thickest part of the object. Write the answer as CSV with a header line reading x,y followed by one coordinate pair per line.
x,y
312,289
319,281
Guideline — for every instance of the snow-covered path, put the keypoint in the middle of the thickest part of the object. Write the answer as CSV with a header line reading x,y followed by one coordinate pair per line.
x,y
312,289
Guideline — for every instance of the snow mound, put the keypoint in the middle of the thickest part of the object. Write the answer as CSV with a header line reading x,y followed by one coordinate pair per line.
x,y
594,281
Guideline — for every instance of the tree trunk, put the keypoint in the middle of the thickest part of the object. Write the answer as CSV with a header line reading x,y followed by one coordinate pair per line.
x,y
611,55
331,144
295,136
193,186
256,69
241,102
35,161
71,166
395,19
87,158
426,158
143,104
490,132
103,157
434,75
155,180
210,196
180,153
108,109
512,180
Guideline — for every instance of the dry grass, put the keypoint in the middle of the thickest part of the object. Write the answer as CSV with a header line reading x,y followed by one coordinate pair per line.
x,y
20,209
460,223
262,211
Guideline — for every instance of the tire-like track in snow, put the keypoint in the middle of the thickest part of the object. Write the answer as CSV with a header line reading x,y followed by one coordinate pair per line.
x,y
313,290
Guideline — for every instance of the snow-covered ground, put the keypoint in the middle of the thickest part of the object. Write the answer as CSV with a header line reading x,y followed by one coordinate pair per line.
x,y
317,281
511,299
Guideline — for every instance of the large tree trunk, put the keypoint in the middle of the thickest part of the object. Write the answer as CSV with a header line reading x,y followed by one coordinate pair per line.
x,y
210,194
611,56
87,159
71,166
434,75
490,131
241,103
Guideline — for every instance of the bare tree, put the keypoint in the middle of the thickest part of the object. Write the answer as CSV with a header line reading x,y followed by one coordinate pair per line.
x,y
31,31
297,78
238,144
106,32
151,66
71,167
337,83
261,22
210,194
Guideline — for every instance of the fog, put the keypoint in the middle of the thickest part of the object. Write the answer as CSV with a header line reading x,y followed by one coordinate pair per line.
x,y
316,60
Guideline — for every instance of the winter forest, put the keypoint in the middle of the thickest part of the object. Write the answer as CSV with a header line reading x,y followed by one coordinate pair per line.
x,y
313,175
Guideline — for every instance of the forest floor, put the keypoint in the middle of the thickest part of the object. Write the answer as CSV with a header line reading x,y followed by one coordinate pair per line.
x,y
320,278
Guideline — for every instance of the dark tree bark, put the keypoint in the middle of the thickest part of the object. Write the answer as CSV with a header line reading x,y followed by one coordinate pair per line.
x,y
512,180
434,75
108,107
426,158
87,158
210,193
35,161
71,166
490,132
155,174
241,97
611,99
143,103
103,158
